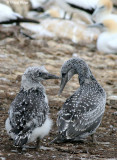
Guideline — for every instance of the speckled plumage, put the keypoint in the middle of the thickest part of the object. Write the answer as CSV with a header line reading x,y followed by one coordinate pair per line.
x,y
82,112
29,112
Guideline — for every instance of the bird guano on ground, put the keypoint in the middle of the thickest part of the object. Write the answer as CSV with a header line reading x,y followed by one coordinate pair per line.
x,y
107,40
82,112
8,16
29,112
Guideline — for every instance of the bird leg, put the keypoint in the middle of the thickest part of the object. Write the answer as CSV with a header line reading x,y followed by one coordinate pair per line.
x,y
38,143
32,147
94,139
71,16
64,17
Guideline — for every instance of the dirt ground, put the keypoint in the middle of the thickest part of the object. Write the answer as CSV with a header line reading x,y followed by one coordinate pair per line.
x,y
16,54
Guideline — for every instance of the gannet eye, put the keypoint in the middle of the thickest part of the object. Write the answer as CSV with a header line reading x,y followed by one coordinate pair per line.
x,y
101,24
40,73
63,74
102,7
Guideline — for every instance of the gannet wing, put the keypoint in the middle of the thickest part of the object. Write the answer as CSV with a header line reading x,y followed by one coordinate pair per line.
x,y
84,4
27,111
79,115
6,13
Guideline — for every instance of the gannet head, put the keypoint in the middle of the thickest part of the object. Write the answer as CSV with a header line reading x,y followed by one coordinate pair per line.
x,y
71,67
34,75
103,9
108,25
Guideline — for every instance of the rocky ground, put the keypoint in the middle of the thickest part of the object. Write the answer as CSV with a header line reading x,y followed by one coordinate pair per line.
x,y
16,54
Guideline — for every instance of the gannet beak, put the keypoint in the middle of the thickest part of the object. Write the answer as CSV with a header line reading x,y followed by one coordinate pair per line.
x,y
96,25
63,83
95,13
65,79
50,76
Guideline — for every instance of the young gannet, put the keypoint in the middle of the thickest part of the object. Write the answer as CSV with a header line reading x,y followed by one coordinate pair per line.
x,y
29,112
82,112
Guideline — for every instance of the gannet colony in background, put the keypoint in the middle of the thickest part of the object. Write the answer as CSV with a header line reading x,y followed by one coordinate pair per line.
x,y
89,9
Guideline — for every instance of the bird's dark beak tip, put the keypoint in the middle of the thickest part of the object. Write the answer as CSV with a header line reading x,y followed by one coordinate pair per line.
x,y
51,76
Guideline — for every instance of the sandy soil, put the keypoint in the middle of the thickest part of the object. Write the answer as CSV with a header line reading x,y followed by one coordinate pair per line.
x,y
16,54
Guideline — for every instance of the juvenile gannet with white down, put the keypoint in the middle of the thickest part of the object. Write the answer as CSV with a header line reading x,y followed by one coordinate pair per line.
x,y
8,16
29,112
82,112
107,40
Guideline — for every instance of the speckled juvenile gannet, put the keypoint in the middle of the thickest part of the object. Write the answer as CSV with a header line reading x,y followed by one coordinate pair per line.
x,y
82,112
103,11
29,112
107,41
8,16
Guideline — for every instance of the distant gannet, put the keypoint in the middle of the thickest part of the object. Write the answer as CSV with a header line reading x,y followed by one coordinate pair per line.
x,y
103,11
29,112
83,8
88,10
107,41
82,112
36,5
8,16
40,5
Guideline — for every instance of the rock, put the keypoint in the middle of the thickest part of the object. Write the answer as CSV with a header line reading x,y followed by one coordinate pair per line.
x,y
113,101
2,94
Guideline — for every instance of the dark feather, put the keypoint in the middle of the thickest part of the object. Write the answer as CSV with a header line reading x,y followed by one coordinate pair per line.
x,y
90,11
20,20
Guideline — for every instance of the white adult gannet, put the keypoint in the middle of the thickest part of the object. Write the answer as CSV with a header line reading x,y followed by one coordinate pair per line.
x,y
40,5
8,16
107,41
90,9
83,8
104,11
36,5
